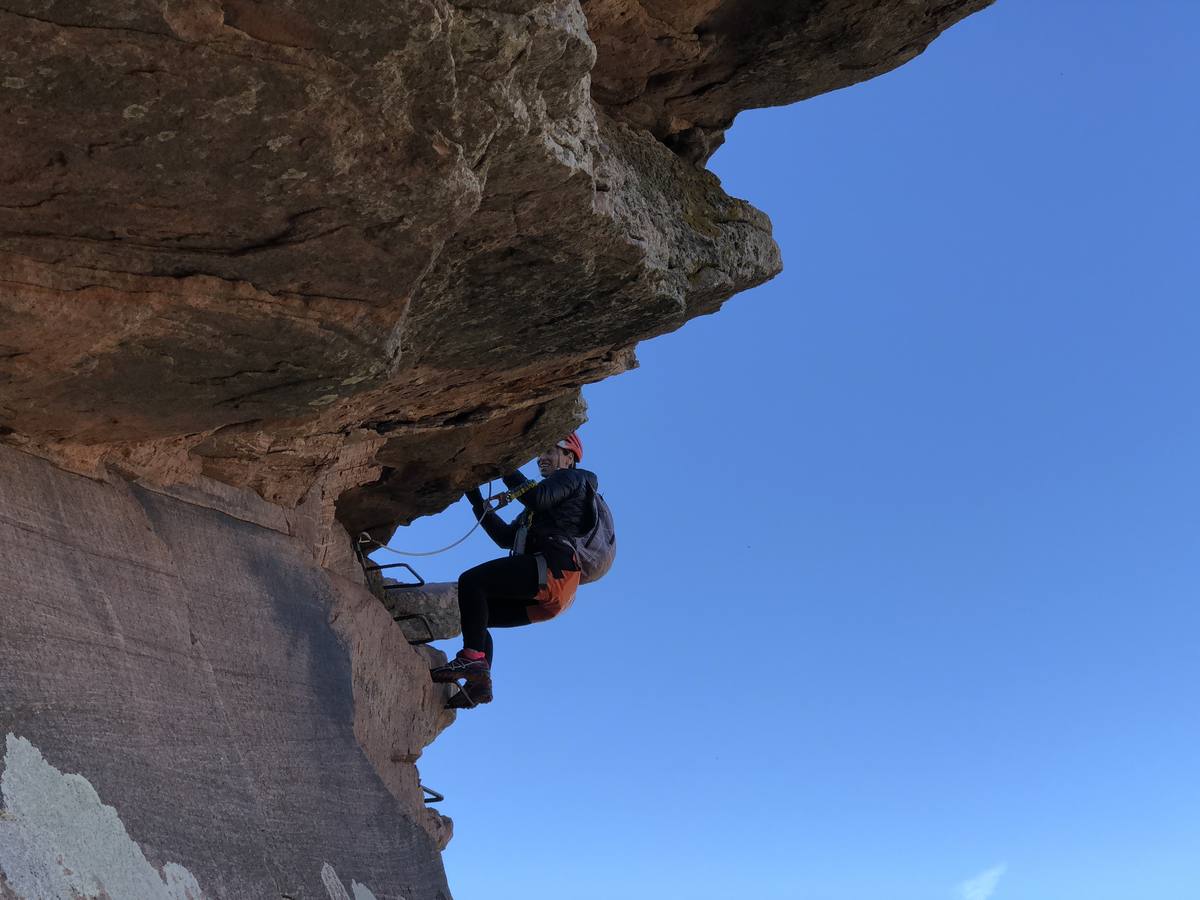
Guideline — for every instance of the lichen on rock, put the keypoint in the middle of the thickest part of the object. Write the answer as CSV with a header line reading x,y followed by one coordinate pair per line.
x,y
59,841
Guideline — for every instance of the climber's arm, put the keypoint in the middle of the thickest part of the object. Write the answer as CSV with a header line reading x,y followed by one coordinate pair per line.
x,y
497,529
550,491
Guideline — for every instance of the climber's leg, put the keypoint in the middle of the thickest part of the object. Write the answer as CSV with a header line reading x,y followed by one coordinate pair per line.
x,y
488,594
510,578
505,612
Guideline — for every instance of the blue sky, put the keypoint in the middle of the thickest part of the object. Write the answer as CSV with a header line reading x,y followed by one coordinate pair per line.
x,y
909,537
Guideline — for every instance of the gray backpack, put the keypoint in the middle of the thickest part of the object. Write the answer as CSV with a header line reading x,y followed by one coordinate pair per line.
x,y
597,548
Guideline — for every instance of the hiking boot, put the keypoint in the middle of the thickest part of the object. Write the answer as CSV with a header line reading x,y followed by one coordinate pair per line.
x,y
471,695
461,667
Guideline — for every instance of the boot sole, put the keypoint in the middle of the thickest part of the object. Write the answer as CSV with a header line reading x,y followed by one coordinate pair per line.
x,y
466,701
443,676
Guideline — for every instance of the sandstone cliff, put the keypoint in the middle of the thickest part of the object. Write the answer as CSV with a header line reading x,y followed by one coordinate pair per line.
x,y
275,272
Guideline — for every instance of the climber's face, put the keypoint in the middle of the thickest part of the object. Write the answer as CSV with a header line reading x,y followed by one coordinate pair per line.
x,y
554,459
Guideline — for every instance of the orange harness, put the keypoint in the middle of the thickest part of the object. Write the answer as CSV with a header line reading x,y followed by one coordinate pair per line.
x,y
555,594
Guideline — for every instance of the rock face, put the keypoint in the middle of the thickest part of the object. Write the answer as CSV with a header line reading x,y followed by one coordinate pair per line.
x,y
276,271
246,713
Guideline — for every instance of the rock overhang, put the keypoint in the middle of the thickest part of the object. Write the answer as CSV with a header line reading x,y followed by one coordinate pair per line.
x,y
366,255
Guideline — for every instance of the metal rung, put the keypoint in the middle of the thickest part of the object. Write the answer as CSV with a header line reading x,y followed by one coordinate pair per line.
x,y
424,621
434,796
420,582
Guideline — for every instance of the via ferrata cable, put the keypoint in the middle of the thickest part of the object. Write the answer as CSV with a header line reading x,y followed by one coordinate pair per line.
x,y
365,538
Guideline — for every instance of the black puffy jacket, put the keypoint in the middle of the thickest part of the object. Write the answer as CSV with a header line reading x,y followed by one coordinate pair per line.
x,y
557,507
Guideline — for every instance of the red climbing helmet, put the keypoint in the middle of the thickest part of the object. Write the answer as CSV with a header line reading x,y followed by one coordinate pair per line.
x,y
571,442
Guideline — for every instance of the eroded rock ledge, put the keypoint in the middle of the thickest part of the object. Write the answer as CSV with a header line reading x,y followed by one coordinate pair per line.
x,y
682,69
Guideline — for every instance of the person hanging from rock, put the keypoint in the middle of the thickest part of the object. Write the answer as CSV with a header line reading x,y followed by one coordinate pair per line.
x,y
563,537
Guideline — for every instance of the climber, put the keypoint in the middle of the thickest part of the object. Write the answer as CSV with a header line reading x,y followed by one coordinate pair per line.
x,y
537,581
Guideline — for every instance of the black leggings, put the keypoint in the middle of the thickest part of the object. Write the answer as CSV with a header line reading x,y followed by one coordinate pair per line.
x,y
496,594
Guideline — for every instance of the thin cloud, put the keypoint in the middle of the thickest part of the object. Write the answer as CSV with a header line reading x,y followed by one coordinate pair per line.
x,y
982,886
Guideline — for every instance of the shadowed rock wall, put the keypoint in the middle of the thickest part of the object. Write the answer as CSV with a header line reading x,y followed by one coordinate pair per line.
x,y
248,715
